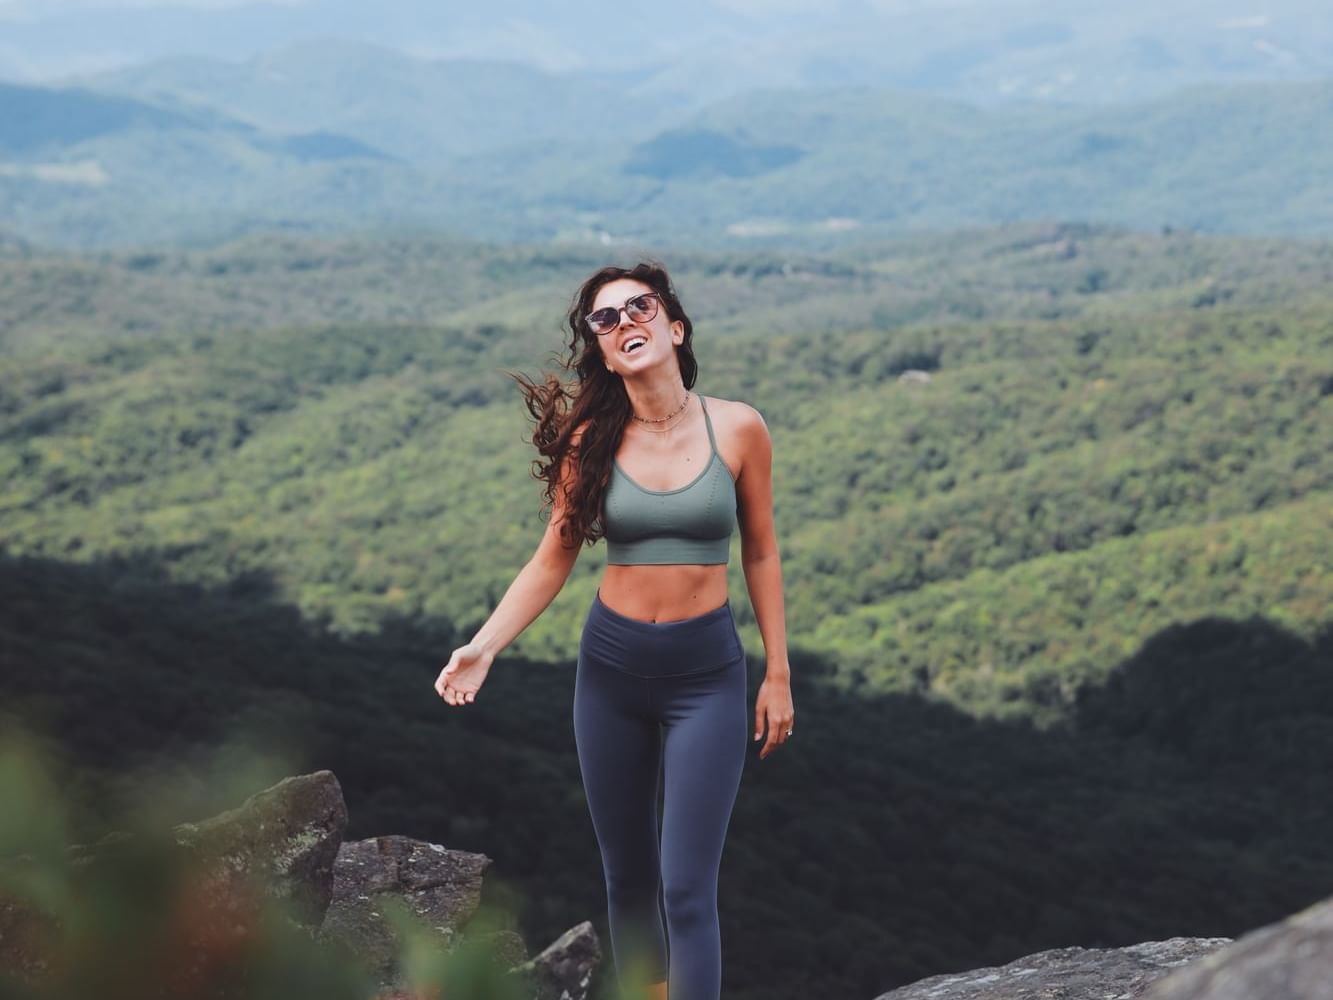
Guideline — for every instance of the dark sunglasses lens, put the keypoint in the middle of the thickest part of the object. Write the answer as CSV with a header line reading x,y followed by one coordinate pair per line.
x,y
641,307
603,320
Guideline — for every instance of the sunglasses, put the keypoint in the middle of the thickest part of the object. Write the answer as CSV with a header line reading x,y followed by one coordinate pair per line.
x,y
640,309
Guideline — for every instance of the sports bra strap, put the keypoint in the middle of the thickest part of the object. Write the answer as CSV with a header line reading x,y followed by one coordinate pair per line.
x,y
709,423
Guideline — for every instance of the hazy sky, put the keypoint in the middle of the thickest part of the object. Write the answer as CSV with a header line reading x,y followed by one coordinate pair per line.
x,y
47,39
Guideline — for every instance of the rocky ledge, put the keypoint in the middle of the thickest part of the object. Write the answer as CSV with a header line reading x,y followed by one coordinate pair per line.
x,y
288,839
1288,960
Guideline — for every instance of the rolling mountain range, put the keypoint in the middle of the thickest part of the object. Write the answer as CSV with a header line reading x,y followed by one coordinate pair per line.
x,y
423,111
809,167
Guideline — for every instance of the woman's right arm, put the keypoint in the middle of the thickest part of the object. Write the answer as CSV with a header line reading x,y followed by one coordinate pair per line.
x,y
533,589
543,576
538,582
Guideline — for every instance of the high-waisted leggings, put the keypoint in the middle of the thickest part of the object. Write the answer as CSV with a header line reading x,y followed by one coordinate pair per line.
x,y
662,703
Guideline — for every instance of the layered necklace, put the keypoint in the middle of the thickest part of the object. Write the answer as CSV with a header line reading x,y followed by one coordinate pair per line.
x,y
662,420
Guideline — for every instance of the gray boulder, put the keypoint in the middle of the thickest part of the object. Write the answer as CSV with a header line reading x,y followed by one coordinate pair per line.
x,y
286,836
1289,960
1065,974
564,970
442,888
286,842
280,842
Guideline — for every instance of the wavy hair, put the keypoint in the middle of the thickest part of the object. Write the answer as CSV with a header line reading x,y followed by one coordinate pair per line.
x,y
596,399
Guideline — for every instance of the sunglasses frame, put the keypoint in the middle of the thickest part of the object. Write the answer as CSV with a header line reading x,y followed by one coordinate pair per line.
x,y
624,307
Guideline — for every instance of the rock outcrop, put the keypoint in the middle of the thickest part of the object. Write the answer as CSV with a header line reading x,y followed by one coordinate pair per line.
x,y
287,842
1289,960
1065,973
441,888
282,840
564,970
286,837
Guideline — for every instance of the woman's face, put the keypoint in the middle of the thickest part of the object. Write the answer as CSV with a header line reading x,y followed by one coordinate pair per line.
x,y
660,334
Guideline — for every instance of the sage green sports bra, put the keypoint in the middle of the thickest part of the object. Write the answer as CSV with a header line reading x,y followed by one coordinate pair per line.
x,y
691,524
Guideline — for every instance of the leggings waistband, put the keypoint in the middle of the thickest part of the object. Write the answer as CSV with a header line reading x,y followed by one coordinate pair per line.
x,y
656,628
706,641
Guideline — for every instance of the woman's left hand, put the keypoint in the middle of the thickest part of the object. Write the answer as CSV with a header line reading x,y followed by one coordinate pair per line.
x,y
773,705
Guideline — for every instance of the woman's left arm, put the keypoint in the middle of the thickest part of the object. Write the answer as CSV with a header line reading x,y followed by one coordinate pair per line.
x,y
763,575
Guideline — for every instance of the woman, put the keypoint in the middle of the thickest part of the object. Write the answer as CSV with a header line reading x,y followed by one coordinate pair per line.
x,y
661,677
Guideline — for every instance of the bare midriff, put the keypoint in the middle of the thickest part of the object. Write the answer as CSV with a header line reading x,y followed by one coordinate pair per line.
x,y
664,593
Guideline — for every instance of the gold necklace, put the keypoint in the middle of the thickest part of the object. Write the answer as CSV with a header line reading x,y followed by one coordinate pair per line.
x,y
665,430
661,420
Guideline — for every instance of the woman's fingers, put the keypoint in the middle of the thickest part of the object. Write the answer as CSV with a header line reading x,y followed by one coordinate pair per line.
x,y
777,731
455,696
442,686
772,740
448,691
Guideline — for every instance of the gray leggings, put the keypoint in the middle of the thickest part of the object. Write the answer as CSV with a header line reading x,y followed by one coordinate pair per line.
x,y
649,694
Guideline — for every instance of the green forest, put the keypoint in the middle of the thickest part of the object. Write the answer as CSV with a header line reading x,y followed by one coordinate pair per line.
x,y
1057,601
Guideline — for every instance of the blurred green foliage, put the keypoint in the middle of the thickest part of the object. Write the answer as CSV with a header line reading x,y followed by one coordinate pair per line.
x,y
135,914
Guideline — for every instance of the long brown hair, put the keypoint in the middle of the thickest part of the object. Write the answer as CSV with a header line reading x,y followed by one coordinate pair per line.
x,y
596,396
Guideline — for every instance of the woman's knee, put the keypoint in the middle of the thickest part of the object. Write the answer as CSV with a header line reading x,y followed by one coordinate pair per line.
x,y
690,899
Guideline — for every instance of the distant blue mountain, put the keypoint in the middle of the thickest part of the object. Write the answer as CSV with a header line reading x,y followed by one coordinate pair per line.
x,y
39,120
680,153
423,111
34,118
327,146
798,167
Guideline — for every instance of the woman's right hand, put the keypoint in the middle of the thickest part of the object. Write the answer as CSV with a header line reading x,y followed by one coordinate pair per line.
x,y
464,674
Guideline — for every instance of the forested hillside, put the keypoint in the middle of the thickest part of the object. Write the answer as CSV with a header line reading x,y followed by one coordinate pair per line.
x,y
1057,600
271,280
381,469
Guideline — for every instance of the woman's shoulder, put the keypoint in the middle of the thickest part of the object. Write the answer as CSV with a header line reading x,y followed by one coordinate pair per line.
x,y
738,427
738,414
